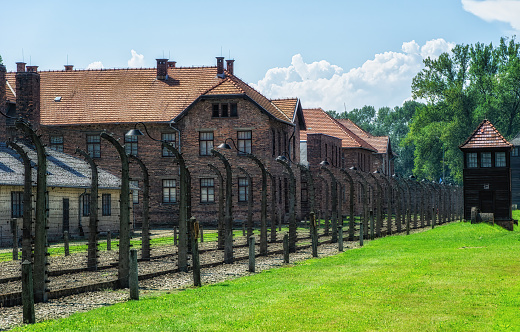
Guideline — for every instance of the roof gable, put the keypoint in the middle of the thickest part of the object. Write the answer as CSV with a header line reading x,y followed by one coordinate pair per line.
x,y
318,121
380,143
485,136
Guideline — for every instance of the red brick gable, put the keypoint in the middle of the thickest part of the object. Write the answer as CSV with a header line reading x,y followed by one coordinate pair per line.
x,y
485,136
318,121
380,143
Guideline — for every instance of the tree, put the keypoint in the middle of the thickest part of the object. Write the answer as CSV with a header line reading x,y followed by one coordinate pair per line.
x,y
392,122
1,61
461,88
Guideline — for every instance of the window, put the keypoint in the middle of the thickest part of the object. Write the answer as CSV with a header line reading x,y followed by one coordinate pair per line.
x,y
244,141
106,204
169,191
514,153
207,191
500,159
56,143
485,159
86,205
243,189
224,110
135,192
305,193
205,143
170,138
94,146
16,204
216,111
233,110
131,144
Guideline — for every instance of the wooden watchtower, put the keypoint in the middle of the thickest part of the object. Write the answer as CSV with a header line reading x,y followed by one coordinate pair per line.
x,y
487,174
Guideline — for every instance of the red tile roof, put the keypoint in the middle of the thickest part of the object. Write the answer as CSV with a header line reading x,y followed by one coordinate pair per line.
x,y
287,106
132,95
318,121
381,143
485,136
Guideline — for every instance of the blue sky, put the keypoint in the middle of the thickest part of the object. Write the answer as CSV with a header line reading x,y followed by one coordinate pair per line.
x,y
330,54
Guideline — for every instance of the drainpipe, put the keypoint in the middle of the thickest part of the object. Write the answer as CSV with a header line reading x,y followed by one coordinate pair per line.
x,y
179,132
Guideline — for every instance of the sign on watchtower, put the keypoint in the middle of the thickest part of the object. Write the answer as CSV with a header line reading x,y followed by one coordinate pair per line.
x,y
487,174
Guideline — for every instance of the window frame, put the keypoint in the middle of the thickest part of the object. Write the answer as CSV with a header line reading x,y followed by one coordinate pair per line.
x,y
486,157
169,186
16,204
205,146
56,145
472,160
85,212
135,192
243,189
207,190
502,158
93,142
132,144
245,145
106,204
166,152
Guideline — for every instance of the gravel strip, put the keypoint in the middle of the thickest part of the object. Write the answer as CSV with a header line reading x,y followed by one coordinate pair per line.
x,y
63,307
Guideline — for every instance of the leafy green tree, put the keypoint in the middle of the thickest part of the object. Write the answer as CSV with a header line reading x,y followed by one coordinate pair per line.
x,y
463,87
1,61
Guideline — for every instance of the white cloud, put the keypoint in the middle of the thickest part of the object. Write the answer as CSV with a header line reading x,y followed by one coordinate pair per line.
x,y
383,81
95,65
136,61
507,11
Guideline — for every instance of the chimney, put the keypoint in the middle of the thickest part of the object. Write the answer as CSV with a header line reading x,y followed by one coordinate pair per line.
x,y
32,69
220,67
28,94
69,67
229,66
171,64
20,67
162,70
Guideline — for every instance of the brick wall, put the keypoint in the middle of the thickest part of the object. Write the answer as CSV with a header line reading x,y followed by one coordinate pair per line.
x,y
198,119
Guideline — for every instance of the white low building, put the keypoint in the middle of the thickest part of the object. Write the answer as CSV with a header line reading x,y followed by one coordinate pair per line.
x,y
68,186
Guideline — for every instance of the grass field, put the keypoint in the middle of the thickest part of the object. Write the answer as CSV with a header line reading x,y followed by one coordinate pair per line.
x,y
458,277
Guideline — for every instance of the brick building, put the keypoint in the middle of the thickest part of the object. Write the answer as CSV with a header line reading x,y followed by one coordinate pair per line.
x,y
195,108
329,139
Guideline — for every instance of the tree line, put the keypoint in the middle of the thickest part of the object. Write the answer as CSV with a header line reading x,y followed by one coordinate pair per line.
x,y
457,91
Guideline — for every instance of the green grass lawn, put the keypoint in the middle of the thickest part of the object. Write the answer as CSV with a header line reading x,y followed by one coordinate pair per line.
x,y
458,277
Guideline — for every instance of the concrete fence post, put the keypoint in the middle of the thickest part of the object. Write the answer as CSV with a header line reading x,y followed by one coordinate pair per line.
x,y
194,229
27,293
252,257
133,276
14,231
175,235
340,238
314,234
66,243
372,230
361,234
286,248
109,240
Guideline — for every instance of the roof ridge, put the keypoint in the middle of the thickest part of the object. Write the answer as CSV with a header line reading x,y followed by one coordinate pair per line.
x,y
352,134
260,94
